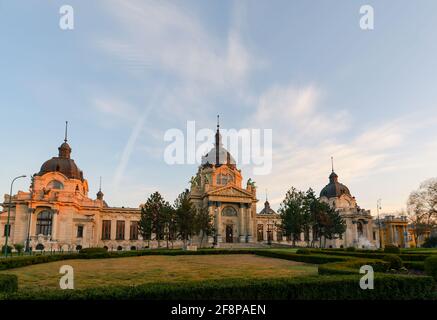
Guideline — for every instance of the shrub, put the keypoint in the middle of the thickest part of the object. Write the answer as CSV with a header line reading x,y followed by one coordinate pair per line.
x,y
352,266
351,249
8,283
93,250
9,249
392,249
19,247
431,242
303,251
394,260
431,266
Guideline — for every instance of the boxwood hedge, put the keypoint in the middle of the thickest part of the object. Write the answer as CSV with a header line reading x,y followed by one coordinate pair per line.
x,y
306,288
8,283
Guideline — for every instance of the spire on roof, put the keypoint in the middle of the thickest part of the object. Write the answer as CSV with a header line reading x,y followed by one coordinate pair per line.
x,y
66,131
218,142
100,193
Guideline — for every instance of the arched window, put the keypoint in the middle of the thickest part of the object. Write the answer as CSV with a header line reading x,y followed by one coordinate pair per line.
x,y
229,211
44,223
55,184
223,179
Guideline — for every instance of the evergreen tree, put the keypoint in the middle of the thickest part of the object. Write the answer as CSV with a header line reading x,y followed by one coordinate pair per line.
x,y
170,226
336,225
145,224
292,212
185,216
153,217
204,224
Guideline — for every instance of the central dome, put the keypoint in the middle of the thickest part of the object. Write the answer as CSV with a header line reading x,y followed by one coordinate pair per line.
x,y
62,163
334,189
223,156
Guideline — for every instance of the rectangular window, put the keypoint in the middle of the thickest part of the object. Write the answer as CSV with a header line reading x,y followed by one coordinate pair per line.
x,y
80,231
106,229
374,235
134,230
119,235
7,230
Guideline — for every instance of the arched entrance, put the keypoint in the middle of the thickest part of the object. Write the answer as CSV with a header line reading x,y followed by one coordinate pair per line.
x,y
229,233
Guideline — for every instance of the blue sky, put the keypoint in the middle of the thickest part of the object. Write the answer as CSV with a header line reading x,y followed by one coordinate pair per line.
x,y
130,70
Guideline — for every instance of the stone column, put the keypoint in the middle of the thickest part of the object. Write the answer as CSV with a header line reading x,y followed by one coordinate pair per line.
x,y
249,225
242,223
219,223
113,229
54,234
407,244
127,230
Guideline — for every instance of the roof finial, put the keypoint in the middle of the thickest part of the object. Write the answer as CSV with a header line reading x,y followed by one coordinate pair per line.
x,y
66,131
218,122
100,184
332,163
266,196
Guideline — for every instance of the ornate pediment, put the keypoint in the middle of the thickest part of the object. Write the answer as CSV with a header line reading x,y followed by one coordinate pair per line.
x,y
230,191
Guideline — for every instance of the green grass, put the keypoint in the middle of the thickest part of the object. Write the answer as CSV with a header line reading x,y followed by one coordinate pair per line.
x,y
153,269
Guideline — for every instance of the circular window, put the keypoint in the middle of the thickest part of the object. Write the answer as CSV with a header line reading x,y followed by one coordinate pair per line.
x,y
39,246
119,248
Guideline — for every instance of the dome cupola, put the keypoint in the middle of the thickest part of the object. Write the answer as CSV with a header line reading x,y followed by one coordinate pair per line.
x,y
62,163
334,189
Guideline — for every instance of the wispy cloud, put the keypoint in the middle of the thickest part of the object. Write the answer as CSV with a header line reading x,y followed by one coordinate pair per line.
x,y
164,36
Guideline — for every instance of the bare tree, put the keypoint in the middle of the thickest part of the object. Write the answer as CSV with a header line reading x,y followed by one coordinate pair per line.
x,y
422,207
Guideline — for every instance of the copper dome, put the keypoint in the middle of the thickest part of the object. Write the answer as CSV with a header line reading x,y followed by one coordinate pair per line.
x,y
62,164
334,188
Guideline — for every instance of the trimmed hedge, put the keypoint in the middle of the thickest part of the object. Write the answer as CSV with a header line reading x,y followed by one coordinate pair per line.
x,y
352,266
431,266
303,251
93,250
308,288
414,265
392,249
307,258
8,283
374,254
16,262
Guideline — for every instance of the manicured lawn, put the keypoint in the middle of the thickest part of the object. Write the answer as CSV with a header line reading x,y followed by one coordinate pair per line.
x,y
147,269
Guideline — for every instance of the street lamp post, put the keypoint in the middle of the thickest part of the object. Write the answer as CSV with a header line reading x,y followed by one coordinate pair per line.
x,y
378,207
9,214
